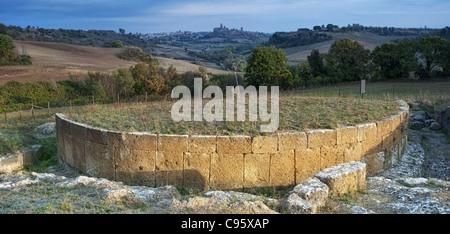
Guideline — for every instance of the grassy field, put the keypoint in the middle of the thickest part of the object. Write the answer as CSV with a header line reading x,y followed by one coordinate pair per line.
x,y
368,40
296,113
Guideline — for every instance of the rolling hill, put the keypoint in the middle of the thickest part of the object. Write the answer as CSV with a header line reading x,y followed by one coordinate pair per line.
x,y
55,61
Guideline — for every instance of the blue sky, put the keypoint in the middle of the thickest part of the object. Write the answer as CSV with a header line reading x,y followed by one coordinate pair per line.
x,y
204,15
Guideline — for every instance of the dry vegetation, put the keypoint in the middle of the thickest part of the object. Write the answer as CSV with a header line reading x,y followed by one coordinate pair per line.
x,y
296,113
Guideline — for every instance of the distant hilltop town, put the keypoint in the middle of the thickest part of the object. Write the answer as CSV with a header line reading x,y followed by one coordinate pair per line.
x,y
218,35
224,29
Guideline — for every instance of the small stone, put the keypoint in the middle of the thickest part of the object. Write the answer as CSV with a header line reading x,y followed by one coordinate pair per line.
x,y
435,126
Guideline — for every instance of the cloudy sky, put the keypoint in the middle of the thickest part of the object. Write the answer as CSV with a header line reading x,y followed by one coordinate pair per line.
x,y
203,15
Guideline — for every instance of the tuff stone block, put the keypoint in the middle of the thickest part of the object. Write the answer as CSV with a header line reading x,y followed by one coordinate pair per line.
x,y
282,168
202,144
227,171
137,168
347,135
141,141
321,137
78,130
292,141
173,143
307,163
94,152
331,156
78,153
367,132
384,127
374,162
234,145
169,168
353,152
97,135
256,170
196,171
265,144
344,178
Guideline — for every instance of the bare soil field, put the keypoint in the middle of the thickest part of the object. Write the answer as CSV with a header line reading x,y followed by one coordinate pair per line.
x,y
55,61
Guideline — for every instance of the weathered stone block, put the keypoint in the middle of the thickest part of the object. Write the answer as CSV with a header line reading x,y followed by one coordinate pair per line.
x,y
93,151
307,163
169,168
67,151
296,205
78,130
107,167
347,135
388,142
331,156
79,159
265,144
374,162
256,170
196,171
292,141
313,191
65,125
321,137
282,168
372,146
202,144
234,145
344,178
353,152
367,132
97,135
141,141
173,143
384,127
137,168
227,171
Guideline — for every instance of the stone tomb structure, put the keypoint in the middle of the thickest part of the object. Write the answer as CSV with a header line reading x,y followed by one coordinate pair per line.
x,y
201,163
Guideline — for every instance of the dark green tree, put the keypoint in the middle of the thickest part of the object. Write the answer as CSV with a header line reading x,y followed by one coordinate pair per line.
x,y
6,48
347,60
267,66
434,53
395,60
315,60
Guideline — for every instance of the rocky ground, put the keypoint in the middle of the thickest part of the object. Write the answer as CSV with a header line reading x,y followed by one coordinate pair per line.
x,y
419,184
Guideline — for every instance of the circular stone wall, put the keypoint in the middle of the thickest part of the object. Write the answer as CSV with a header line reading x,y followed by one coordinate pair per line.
x,y
228,162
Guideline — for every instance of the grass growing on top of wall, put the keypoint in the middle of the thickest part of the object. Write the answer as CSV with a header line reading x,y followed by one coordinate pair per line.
x,y
296,113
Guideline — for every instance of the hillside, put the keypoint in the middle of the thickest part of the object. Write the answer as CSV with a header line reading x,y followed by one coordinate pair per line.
x,y
54,61
367,39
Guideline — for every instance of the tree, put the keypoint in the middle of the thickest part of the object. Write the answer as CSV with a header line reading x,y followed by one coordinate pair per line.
x,y
6,48
267,66
125,82
347,60
117,44
315,60
395,60
434,53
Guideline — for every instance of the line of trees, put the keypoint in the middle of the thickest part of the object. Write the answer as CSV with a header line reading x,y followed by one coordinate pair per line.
x,y
348,60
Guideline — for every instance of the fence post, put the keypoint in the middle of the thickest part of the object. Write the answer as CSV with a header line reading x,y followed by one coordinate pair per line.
x,y
6,116
20,113
48,107
32,112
